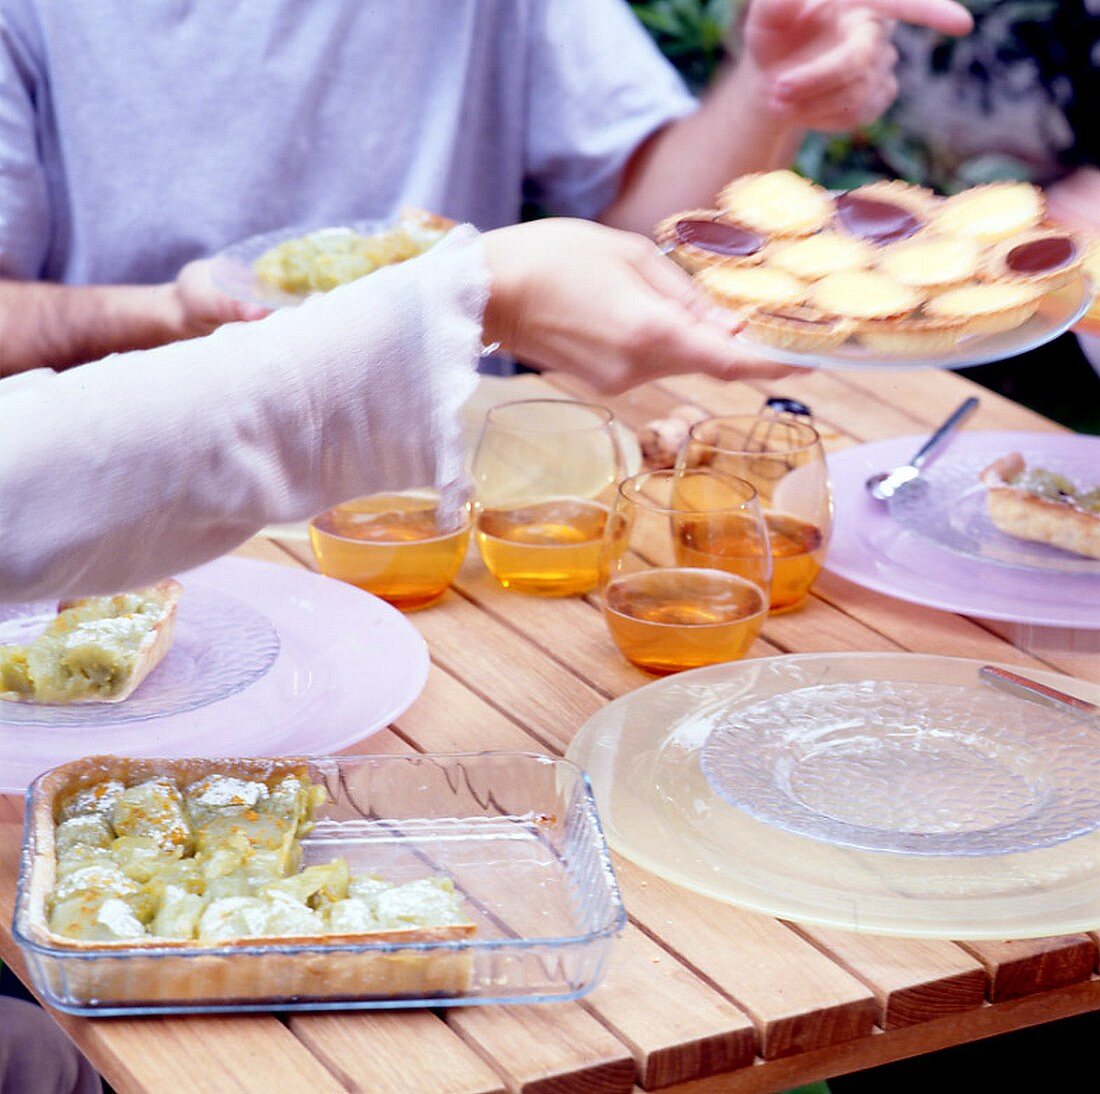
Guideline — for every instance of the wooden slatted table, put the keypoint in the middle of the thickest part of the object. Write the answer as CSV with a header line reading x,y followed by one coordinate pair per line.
x,y
699,996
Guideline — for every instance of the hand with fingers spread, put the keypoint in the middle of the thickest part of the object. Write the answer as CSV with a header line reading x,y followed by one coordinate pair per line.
x,y
828,64
605,306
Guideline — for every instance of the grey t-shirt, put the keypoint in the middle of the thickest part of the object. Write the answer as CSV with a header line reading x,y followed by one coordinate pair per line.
x,y
136,135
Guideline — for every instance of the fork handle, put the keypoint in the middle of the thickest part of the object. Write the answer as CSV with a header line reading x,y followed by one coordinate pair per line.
x,y
962,412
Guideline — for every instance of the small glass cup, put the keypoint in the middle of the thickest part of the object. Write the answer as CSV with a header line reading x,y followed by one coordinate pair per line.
x,y
403,547
545,471
784,461
685,570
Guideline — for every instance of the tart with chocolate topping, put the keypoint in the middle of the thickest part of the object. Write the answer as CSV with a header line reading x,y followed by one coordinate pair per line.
x,y
987,309
798,328
991,212
863,294
1046,257
700,238
778,203
813,257
884,212
737,286
931,263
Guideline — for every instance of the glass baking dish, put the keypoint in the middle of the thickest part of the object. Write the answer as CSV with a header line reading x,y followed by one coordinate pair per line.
x,y
517,832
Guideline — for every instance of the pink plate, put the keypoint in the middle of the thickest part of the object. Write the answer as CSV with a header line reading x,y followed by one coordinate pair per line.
x,y
871,549
267,660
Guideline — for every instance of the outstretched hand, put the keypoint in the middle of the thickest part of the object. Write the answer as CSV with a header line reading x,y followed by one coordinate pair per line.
x,y
828,64
203,307
605,306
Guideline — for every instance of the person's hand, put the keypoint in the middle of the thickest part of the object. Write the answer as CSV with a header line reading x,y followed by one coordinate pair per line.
x,y
202,308
605,306
828,64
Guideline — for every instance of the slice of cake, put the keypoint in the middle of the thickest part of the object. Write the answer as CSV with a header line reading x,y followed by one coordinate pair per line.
x,y
96,650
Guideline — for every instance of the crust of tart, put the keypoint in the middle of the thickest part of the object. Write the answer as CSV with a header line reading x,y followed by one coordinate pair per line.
x,y
191,978
692,258
987,309
1019,513
799,329
917,336
150,653
991,212
997,265
738,286
778,203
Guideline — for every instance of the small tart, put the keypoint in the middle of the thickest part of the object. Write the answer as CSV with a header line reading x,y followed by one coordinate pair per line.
x,y
811,257
918,336
987,309
931,263
1031,506
884,212
777,203
992,212
863,294
700,238
736,286
1046,257
798,328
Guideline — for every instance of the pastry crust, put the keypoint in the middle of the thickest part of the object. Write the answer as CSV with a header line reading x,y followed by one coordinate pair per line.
x,y
191,973
799,329
918,336
694,257
1020,513
987,309
149,654
778,203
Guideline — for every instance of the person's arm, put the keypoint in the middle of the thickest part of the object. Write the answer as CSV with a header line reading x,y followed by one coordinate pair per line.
x,y
128,469
805,64
55,326
1075,200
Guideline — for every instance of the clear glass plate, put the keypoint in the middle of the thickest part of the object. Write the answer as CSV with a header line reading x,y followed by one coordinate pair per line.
x,y
947,506
909,767
1058,312
231,268
221,646
644,755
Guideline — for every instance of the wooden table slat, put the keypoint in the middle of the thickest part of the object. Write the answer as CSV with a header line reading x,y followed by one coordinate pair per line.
x,y
1032,965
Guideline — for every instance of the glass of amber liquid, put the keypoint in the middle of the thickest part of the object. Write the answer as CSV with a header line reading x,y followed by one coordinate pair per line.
x,y
545,471
685,570
403,547
784,461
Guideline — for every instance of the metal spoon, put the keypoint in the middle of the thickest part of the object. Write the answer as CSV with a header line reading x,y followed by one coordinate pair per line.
x,y
886,483
1040,693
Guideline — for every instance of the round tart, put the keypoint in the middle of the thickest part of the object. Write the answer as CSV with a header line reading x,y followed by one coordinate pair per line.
x,y
987,309
863,294
702,237
884,212
992,212
1048,258
811,257
918,336
800,329
931,263
736,286
777,203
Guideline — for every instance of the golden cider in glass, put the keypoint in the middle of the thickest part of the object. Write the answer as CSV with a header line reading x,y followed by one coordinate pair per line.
x,y
671,619
551,548
391,545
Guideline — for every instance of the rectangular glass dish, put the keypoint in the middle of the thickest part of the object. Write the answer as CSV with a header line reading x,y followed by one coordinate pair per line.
x,y
517,832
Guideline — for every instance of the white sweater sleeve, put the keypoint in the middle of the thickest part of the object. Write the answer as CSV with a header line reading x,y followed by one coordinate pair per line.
x,y
117,473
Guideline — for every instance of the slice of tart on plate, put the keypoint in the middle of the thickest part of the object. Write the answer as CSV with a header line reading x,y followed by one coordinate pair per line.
x,y
97,649
1042,506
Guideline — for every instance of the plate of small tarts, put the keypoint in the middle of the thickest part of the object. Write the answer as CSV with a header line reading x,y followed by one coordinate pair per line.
x,y
887,274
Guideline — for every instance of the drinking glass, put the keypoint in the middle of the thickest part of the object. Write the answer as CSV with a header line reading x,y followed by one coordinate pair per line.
x,y
685,569
545,471
784,461
403,547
